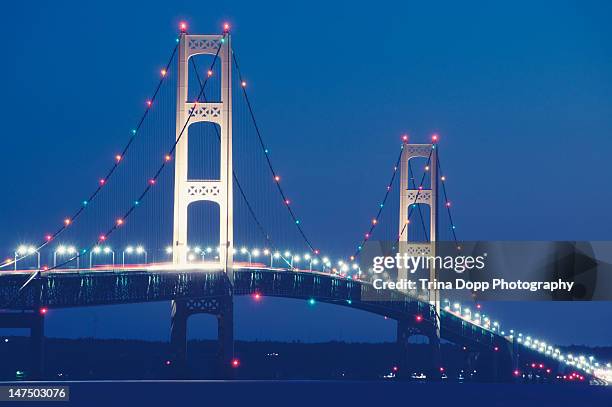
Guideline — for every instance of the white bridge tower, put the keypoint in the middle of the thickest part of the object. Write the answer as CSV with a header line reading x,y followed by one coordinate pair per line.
x,y
187,190
409,197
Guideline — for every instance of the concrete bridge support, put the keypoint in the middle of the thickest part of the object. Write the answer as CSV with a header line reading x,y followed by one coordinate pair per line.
x,y
488,365
223,309
35,322
408,352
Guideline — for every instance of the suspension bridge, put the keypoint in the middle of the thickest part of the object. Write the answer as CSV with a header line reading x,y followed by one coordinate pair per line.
x,y
249,240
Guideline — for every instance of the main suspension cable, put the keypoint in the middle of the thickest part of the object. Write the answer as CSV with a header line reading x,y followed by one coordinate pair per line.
x,y
260,226
69,221
275,176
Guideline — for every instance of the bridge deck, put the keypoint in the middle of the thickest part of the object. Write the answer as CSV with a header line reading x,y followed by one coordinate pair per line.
x,y
73,288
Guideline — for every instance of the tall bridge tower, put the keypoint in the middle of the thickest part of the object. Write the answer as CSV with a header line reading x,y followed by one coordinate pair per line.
x,y
187,190
408,198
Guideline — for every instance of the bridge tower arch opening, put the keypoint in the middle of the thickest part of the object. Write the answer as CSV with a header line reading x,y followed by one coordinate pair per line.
x,y
188,112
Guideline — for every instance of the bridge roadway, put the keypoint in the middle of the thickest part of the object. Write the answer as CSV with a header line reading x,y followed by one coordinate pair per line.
x,y
94,287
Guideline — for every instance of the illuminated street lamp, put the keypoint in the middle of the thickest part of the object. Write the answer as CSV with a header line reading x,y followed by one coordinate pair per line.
x,y
267,252
208,250
286,255
24,250
326,263
130,250
309,259
99,250
276,255
255,253
356,268
244,250
63,250
457,308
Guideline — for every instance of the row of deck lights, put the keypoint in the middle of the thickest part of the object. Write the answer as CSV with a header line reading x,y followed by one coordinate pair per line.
x,y
72,251
275,256
195,253
589,365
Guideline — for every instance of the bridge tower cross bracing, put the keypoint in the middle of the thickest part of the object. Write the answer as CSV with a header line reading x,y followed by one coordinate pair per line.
x,y
187,190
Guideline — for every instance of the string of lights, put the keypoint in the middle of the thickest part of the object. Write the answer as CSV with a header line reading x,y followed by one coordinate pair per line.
x,y
275,175
152,181
70,220
447,203
376,219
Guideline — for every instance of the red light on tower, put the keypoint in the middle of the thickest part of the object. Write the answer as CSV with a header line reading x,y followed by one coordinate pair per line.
x,y
435,138
257,296
442,369
226,27
183,26
235,363
43,310
516,372
102,238
48,238
418,318
405,138
395,368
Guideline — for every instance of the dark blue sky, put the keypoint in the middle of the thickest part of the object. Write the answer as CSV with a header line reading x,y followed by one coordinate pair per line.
x,y
521,94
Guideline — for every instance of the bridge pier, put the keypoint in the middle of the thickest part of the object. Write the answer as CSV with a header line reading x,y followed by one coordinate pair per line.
x,y
489,365
34,321
223,309
407,354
